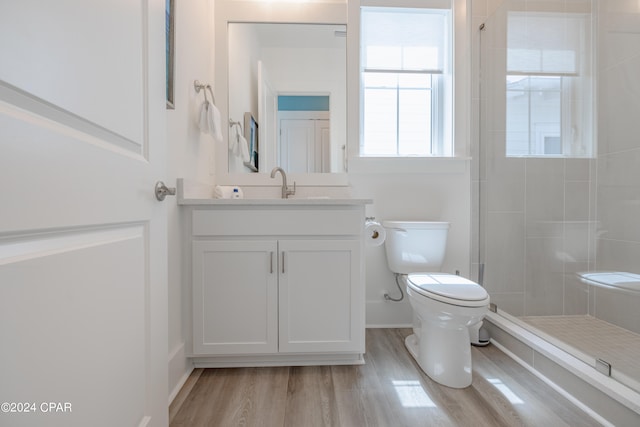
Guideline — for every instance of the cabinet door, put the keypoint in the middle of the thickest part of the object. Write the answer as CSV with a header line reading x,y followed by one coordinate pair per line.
x,y
321,296
235,297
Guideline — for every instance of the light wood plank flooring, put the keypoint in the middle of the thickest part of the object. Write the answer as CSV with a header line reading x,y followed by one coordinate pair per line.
x,y
389,390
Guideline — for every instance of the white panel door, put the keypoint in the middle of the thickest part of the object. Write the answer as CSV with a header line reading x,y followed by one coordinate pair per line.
x,y
297,145
305,142
235,297
322,146
319,292
83,316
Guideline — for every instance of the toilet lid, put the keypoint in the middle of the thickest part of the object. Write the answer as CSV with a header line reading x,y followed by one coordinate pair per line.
x,y
456,289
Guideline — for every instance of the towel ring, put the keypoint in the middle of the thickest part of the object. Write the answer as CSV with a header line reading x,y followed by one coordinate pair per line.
x,y
201,86
213,98
233,123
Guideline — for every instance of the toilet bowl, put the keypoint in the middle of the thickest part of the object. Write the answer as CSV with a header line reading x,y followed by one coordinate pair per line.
x,y
445,306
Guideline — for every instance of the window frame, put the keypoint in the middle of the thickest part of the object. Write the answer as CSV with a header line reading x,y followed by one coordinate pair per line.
x,y
436,141
456,161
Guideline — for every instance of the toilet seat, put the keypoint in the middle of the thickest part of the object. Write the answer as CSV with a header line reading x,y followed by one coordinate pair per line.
x,y
449,289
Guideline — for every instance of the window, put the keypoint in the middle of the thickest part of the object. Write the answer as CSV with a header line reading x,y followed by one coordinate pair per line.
x,y
534,112
406,84
549,85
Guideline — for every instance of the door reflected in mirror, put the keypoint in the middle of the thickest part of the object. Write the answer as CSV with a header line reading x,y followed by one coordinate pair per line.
x,y
292,79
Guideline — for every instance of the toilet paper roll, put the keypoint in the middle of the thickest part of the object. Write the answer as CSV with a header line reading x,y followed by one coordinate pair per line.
x,y
374,233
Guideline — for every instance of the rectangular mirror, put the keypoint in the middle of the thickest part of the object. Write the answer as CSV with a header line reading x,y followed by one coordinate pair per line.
x,y
237,92
292,79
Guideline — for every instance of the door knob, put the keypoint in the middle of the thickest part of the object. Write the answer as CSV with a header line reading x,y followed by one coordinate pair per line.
x,y
162,191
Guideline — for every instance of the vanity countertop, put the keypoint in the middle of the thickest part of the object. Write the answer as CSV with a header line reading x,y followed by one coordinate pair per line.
x,y
198,197
274,202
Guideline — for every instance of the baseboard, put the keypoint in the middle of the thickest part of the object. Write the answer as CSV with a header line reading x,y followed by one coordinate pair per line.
x,y
315,359
180,367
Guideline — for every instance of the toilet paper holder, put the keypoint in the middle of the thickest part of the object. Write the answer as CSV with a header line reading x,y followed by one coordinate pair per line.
x,y
376,233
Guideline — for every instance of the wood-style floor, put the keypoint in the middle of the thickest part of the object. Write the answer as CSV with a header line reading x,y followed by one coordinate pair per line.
x,y
389,390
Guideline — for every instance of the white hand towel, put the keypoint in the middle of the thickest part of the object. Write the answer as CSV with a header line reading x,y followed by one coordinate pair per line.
x,y
244,149
215,126
203,121
233,144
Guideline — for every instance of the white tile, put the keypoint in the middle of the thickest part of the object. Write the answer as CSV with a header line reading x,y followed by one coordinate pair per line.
x,y
618,308
618,111
576,200
618,255
577,169
505,245
576,294
512,303
544,194
544,276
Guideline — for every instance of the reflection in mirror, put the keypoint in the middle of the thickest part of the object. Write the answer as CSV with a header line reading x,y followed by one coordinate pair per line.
x,y
292,79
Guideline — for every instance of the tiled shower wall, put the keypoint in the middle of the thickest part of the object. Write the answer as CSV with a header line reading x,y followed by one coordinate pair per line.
x,y
541,220
618,172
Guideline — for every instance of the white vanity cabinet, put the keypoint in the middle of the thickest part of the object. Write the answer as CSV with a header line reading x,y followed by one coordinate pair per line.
x,y
235,297
277,284
319,292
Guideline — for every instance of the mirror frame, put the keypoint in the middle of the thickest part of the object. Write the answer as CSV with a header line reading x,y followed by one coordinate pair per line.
x,y
227,11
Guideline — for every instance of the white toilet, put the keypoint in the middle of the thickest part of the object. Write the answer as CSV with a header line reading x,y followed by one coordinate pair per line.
x,y
445,305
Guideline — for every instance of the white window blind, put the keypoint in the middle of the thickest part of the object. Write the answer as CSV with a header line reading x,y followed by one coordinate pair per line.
x,y
407,40
544,43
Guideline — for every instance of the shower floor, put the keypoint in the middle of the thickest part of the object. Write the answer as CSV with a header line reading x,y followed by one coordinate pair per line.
x,y
596,338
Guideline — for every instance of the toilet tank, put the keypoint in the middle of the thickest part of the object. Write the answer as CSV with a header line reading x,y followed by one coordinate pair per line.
x,y
415,246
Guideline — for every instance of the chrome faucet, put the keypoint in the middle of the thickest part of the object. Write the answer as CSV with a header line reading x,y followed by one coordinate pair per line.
x,y
286,192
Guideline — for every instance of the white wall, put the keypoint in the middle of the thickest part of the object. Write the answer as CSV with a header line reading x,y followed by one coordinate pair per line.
x,y
190,155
